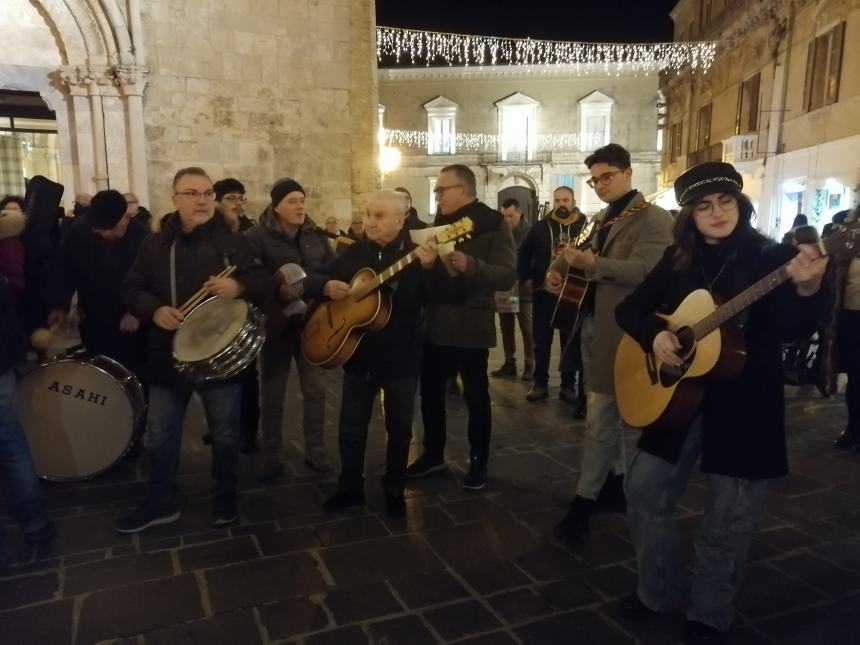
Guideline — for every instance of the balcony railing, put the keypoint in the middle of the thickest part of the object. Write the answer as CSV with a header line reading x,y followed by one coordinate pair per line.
x,y
741,147
516,158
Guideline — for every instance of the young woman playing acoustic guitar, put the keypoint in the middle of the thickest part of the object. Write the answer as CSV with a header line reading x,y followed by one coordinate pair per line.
x,y
738,430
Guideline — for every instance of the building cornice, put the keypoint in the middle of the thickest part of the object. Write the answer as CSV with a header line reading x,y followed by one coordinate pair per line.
x,y
509,71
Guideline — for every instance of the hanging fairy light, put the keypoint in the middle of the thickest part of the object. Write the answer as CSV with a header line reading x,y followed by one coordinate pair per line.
x,y
429,47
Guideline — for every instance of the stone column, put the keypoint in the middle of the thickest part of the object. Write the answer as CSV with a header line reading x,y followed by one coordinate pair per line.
x,y
132,82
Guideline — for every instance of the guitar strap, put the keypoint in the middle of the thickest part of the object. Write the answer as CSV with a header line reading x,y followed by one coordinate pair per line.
x,y
630,211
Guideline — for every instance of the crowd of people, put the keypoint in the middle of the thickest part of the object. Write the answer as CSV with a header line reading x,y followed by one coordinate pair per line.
x,y
639,261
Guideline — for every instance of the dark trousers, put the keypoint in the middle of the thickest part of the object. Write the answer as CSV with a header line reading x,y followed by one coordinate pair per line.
x,y
543,306
398,404
471,364
250,402
849,345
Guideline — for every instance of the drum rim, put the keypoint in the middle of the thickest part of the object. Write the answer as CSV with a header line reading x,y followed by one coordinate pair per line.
x,y
136,417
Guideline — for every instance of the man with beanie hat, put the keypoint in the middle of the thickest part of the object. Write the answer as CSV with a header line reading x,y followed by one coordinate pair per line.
x,y
94,258
286,235
230,198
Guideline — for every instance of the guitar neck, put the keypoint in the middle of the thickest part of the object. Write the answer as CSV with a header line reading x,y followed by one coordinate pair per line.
x,y
384,276
743,300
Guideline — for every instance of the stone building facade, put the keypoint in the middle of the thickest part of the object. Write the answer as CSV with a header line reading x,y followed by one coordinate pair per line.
x,y
255,89
524,130
780,102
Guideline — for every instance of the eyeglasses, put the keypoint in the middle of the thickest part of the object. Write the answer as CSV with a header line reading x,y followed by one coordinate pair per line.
x,y
240,199
439,190
605,178
196,194
706,207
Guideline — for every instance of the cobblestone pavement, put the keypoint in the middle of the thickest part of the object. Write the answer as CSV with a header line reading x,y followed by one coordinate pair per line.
x,y
477,568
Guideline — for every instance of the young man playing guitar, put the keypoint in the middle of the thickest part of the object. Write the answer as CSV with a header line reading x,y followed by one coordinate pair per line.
x,y
631,237
387,360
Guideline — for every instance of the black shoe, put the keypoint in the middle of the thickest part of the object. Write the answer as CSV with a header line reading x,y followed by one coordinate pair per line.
x,y
507,369
342,500
537,393
476,478
45,534
567,394
697,633
395,505
145,516
632,608
580,408
611,497
424,465
573,528
845,441
225,514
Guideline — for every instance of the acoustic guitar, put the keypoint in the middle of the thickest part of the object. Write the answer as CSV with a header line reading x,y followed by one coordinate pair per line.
x,y
652,394
575,285
335,328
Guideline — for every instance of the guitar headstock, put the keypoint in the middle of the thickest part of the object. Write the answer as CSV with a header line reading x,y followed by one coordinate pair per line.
x,y
583,240
460,230
845,239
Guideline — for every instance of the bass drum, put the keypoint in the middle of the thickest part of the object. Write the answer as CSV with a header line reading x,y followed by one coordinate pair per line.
x,y
79,414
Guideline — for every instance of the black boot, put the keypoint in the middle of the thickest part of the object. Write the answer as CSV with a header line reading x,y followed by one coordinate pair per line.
x,y
508,368
573,528
845,441
611,497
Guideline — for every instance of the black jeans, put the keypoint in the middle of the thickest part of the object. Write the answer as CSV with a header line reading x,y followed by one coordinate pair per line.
x,y
471,364
543,306
849,346
398,404
250,405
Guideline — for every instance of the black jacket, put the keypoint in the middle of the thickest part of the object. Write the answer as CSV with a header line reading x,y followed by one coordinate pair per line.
x,y
309,249
536,252
200,254
412,221
395,350
743,420
96,269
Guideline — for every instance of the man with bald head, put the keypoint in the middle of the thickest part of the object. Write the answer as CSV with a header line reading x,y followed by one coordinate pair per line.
x,y
387,360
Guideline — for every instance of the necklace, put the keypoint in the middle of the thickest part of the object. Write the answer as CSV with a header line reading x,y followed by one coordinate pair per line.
x,y
711,283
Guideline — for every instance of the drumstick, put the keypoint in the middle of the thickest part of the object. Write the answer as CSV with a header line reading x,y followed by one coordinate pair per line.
x,y
198,297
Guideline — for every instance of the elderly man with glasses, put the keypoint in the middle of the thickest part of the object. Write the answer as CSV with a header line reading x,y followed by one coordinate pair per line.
x,y
631,237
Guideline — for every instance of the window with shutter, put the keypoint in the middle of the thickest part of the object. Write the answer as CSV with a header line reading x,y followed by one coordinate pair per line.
x,y
837,42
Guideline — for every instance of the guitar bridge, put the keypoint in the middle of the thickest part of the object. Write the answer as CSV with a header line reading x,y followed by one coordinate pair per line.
x,y
651,368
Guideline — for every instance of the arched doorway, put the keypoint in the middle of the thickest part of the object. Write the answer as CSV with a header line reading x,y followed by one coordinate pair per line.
x,y
523,189
86,61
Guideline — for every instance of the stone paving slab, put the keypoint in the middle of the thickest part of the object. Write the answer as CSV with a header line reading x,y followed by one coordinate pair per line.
x,y
462,567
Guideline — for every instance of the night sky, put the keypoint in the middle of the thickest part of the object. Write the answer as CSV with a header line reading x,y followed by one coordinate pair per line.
x,y
580,20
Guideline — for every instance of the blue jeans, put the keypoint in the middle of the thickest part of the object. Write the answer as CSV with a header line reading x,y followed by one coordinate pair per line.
x,y
732,509
21,486
222,405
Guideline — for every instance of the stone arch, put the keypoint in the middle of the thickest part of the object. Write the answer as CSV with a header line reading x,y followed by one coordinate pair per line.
x,y
96,92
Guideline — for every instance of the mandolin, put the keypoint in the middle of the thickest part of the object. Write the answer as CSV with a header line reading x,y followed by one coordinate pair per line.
x,y
651,394
335,328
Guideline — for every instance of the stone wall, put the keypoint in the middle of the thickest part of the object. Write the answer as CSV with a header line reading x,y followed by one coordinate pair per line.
x,y
261,89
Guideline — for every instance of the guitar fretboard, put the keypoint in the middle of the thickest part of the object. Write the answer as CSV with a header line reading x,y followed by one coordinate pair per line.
x,y
740,302
383,276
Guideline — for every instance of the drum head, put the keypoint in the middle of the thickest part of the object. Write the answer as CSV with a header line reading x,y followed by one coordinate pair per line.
x,y
208,329
78,419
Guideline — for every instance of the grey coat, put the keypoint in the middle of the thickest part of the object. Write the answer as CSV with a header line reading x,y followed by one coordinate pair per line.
x,y
632,249
469,321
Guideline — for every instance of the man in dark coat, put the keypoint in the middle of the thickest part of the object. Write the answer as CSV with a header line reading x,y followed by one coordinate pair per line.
x,y
193,246
94,258
389,359
459,333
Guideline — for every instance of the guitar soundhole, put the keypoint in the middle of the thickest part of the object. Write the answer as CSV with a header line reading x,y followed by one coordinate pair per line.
x,y
669,374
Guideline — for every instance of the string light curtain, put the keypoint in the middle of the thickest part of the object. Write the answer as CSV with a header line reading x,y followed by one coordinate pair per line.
x,y
479,142
428,47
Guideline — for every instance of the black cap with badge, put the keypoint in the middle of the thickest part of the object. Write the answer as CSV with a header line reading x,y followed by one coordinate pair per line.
x,y
705,179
